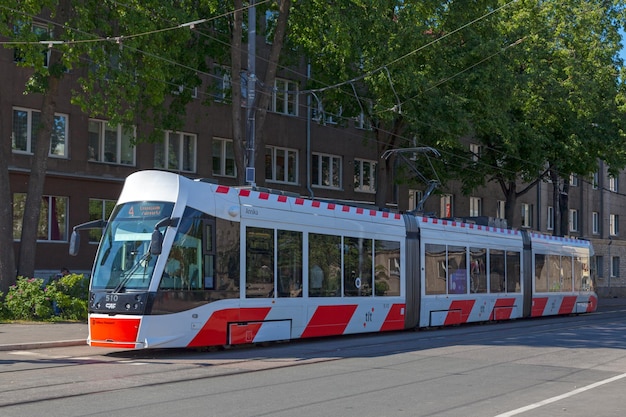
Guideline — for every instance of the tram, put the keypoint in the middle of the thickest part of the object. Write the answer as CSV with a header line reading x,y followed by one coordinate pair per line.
x,y
189,263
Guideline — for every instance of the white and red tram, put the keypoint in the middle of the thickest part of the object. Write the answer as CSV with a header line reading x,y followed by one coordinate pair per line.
x,y
188,263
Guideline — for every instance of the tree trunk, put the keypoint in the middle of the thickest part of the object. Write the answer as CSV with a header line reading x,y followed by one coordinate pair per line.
x,y
7,255
268,80
37,178
510,203
564,208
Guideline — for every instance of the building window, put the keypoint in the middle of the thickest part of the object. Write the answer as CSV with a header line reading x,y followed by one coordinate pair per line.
x,y
595,180
573,180
110,144
613,224
281,164
527,215
42,33
573,220
475,206
52,218
326,170
285,97
550,218
364,176
99,210
613,184
615,266
25,124
177,152
446,209
501,209
595,222
222,83
600,266
224,158
415,196
476,151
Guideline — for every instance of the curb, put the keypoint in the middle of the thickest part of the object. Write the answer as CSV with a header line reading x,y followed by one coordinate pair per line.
x,y
43,345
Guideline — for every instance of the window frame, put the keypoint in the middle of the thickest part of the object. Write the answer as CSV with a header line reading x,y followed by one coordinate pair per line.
x,y
49,230
317,167
120,135
223,158
359,176
31,133
165,151
288,155
285,97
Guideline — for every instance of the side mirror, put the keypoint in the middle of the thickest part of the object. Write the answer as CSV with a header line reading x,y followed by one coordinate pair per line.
x,y
74,243
156,243
75,237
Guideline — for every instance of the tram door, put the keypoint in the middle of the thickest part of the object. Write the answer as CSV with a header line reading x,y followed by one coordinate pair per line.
x,y
412,275
528,275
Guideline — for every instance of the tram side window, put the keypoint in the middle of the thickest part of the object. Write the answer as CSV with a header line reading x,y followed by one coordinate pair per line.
x,y
435,269
457,270
386,268
554,272
324,265
566,267
478,271
226,273
259,262
357,266
289,258
582,277
541,273
184,263
497,281
513,272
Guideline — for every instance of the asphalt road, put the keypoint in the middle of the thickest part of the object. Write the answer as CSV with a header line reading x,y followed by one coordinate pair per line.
x,y
569,366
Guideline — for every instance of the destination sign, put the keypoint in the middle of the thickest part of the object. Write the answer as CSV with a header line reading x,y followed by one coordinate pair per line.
x,y
146,209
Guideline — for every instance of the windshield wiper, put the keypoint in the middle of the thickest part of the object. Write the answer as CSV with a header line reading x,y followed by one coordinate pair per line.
x,y
130,272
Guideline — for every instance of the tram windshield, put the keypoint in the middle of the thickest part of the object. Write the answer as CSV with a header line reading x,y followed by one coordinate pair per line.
x,y
124,261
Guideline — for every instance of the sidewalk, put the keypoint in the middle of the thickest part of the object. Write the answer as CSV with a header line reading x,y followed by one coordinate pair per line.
x,y
14,336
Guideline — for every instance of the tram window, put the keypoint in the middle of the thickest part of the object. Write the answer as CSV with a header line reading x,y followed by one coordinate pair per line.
x,y
582,276
513,272
554,272
496,271
259,262
435,269
289,258
184,263
566,267
226,273
324,265
357,266
457,270
541,273
478,272
386,268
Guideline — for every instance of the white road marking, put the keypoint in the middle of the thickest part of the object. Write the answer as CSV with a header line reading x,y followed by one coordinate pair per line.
x,y
560,397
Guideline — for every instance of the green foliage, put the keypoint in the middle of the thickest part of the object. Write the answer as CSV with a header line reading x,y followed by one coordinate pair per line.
x,y
70,293
30,299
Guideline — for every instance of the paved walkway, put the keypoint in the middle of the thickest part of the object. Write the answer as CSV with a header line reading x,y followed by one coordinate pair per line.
x,y
14,336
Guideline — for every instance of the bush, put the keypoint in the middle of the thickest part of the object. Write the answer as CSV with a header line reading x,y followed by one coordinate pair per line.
x,y
63,298
28,300
70,294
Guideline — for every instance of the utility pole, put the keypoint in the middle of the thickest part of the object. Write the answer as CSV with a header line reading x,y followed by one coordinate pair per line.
x,y
251,84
